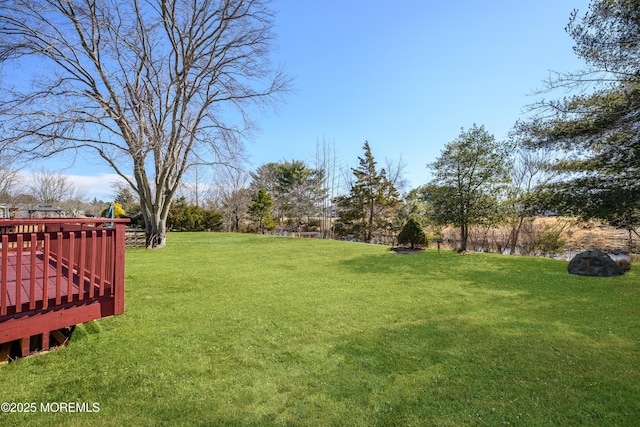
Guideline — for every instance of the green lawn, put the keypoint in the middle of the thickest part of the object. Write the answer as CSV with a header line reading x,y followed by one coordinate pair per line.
x,y
230,329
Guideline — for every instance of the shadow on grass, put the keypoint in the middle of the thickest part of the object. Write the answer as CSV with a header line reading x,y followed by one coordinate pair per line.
x,y
444,372
428,262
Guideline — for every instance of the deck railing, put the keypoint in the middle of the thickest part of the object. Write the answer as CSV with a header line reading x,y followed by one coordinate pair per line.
x,y
86,254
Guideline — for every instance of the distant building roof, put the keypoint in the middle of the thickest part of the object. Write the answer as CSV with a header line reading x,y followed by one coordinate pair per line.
x,y
45,209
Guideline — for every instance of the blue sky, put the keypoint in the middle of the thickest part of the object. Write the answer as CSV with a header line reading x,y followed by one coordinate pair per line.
x,y
407,75
404,75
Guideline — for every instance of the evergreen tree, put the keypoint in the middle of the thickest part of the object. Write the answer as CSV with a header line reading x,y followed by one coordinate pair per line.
x,y
371,204
186,217
598,129
300,188
413,234
295,188
260,210
266,177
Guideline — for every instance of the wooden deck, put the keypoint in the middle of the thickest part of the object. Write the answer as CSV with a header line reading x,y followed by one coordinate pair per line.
x,y
58,273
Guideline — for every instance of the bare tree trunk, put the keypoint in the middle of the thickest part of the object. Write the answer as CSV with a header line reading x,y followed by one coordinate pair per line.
x,y
155,224
156,232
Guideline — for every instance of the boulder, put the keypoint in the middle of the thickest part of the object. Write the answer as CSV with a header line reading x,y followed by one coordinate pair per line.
x,y
594,263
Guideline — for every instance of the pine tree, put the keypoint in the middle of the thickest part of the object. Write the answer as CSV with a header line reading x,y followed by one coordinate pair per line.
x,y
371,203
260,210
413,234
598,127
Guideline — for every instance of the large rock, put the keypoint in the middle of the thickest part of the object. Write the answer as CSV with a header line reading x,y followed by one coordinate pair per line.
x,y
594,263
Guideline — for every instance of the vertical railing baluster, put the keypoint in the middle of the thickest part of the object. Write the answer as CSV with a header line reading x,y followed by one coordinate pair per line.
x,y
103,259
32,275
19,242
70,264
92,263
81,272
45,267
59,268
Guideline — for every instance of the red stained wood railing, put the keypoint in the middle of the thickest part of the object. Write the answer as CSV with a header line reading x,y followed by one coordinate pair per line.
x,y
60,264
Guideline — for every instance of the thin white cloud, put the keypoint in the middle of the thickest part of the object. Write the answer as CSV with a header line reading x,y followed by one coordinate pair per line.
x,y
99,186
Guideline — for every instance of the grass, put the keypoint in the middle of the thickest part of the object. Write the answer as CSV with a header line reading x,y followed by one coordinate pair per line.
x,y
229,329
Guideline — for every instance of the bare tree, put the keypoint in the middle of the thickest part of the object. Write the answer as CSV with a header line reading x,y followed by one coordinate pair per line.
x,y
396,173
53,188
8,179
144,84
233,198
529,171
196,186
326,161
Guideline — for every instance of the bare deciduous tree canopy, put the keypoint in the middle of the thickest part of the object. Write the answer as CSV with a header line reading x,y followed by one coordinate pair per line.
x,y
52,188
149,86
8,179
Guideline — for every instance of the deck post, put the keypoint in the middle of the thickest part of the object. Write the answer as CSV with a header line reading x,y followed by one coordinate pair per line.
x,y
118,278
4,266
45,340
25,346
